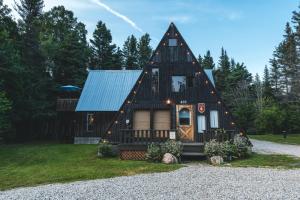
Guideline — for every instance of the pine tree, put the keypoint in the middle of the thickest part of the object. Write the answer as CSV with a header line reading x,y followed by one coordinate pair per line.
x,y
267,90
102,47
118,62
200,60
275,76
222,72
208,61
130,53
296,76
144,50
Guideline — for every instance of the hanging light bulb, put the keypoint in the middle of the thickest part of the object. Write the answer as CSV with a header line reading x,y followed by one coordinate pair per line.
x,y
168,101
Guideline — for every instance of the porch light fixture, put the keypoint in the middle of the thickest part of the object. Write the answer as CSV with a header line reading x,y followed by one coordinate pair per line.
x,y
168,101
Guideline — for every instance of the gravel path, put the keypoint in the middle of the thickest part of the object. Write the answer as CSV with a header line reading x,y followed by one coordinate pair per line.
x,y
266,147
192,182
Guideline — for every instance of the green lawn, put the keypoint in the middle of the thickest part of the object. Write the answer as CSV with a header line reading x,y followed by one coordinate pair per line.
x,y
260,160
33,164
291,139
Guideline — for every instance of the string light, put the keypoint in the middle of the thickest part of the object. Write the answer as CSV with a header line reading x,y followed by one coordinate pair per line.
x,y
206,82
109,132
212,92
157,53
140,82
152,62
226,112
134,92
232,123
116,122
194,62
219,102
168,33
168,101
181,44
164,44
122,111
176,34
128,102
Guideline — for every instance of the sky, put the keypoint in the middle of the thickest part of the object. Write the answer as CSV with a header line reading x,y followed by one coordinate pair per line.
x,y
249,30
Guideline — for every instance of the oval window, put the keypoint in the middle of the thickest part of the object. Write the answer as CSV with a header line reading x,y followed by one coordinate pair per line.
x,y
184,117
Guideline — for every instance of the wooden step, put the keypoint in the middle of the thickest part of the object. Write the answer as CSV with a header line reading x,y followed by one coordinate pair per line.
x,y
193,147
192,154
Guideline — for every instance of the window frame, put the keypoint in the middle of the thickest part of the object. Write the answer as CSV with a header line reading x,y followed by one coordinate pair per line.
x,y
152,82
185,83
189,118
172,42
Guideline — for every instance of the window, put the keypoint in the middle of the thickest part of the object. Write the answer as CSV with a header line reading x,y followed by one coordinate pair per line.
x,y
90,122
214,119
201,123
172,42
155,81
178,83
184,117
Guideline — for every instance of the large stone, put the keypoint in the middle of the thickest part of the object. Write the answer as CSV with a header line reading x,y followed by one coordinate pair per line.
x,y
216,160
169,159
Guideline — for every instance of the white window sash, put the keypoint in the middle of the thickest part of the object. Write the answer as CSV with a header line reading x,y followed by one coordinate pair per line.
x,y
214,119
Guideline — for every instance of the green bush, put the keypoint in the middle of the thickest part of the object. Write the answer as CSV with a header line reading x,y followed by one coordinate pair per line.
x,y
243,146
172,147
105,149
229,149
213,148
154,153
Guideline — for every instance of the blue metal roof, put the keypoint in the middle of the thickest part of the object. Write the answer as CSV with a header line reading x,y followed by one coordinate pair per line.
x,y
209,73
106,90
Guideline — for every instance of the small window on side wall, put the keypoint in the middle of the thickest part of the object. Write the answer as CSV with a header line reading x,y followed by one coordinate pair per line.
x,y
90,122
214,119
178,83
172,42
184,117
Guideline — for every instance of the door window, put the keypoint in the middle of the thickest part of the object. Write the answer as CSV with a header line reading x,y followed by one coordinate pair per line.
x,y
184,117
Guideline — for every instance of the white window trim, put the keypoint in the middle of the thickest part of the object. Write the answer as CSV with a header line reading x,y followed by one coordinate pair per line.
x,y
203,125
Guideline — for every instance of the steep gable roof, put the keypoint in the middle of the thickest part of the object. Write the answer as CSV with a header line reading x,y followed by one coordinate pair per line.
x,y
106,90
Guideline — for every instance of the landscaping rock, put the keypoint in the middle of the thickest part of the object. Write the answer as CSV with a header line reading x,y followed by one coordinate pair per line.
x,y
216,160
169,159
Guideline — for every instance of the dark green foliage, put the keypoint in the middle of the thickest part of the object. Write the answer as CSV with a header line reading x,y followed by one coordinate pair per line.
x,y
154,153
63,39
105,149
213,148
222,72
144,50
5,109
172,147
208,61
243,146
102,49
130,53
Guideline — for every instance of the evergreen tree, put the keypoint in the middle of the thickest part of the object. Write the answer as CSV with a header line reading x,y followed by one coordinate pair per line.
x,y
130,53
200,60
296,76
267,90
208,61
275,76
102,47
64,42
118,62
144,50
222,72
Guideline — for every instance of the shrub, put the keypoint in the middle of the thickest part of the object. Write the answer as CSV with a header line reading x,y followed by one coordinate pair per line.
x,y
154,153
172,147
105,149
243,146
213,148
229,149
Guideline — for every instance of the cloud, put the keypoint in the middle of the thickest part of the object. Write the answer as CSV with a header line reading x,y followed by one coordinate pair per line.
x,y
117,14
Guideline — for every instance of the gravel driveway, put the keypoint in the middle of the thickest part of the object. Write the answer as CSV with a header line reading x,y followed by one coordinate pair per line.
x,y
192,182
266,147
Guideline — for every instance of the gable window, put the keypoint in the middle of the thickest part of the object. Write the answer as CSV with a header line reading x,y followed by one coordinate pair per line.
x,y
155,81
178,83
172,42
184,117
90,122
214,119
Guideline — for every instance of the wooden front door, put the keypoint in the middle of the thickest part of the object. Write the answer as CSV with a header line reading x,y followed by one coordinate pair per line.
x,y
185,122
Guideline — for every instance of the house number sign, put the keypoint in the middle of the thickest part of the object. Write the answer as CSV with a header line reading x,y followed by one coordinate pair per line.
x,y
172,135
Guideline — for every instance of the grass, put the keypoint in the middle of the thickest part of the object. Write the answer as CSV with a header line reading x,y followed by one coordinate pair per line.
x,y
275,161
33,164
291,138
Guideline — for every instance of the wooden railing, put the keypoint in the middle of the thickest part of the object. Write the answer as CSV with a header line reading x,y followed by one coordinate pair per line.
x,y
128,136
220,136
66,104
145,136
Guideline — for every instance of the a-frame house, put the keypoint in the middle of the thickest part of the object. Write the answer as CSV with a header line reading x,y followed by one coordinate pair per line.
x,y
171,98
